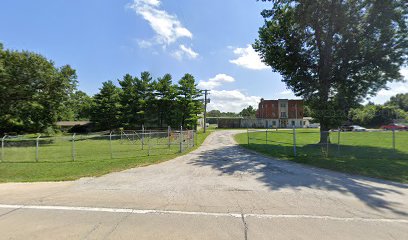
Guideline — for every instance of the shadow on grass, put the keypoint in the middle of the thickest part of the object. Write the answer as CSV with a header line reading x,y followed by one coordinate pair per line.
x,y
282,174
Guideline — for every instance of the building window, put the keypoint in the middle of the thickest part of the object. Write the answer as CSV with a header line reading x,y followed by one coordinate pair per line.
x,y
283,105
273,123
283,114
293,123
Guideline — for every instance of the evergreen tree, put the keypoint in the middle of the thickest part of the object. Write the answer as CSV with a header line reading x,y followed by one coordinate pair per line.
x,y
165,95
129,101
106,110
189,106
145,99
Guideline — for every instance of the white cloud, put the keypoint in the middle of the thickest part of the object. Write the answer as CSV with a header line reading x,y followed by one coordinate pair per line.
x,y
227,100
248,58
144,43
286,92
215,81
166,26
394,88
231,101
404,72
152,2
184,51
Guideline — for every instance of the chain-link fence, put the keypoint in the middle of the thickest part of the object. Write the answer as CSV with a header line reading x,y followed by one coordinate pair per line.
x,y
306,143
96,146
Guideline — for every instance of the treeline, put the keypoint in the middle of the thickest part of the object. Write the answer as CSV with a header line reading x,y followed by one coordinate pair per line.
x,y
248,112
35,94
375,115
144,101
372,115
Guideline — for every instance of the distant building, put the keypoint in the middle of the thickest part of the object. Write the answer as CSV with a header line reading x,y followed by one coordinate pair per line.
x,y
67,125
281,113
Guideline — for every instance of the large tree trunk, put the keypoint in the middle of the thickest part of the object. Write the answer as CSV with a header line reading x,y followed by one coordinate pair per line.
x,y
324,134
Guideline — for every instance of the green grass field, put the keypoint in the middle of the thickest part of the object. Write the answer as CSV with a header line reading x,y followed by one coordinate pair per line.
x,y
365,153
92,157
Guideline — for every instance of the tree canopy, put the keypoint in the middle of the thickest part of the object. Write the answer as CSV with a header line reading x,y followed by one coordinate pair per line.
x,y
188,103
334,53
106,111
374,116
142,101
400,101
248,112
36,94
33,91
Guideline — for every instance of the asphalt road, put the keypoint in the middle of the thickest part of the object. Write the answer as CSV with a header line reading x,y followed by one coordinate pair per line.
x,y
219,191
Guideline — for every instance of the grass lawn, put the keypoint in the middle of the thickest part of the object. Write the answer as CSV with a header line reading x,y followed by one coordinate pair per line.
x,y
92,158
365,153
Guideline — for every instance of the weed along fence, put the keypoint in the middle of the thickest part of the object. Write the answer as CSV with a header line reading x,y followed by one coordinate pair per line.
x,y
96,146
304,143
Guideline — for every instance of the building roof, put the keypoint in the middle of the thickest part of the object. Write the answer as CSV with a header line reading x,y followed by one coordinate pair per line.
x,y
71,123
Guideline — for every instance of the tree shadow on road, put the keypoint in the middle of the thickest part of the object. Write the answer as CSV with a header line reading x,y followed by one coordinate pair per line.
x,y
280,174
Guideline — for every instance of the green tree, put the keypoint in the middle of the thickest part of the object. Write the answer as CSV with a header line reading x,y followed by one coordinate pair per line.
x,y
307,112
82,105
248,112
33,91
400,101
376,115
129,101
165,95
77,107
229,114
106,110
334,53
145,98
214,113
188,104
137,100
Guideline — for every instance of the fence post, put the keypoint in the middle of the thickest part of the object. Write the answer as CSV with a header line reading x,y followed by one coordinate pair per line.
x,y
338,140
168,136
393,139
196,137
266,138
2,148
73,147
36,147
110,145
181,138
143,133
193,137
148,143
248,135
327,144
188,139
294,141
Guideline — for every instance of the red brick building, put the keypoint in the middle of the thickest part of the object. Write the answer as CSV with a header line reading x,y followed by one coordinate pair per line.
x,y
281,113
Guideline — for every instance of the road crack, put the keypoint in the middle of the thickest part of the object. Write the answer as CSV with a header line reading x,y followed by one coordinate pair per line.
x,y
245,226
117,225
4,214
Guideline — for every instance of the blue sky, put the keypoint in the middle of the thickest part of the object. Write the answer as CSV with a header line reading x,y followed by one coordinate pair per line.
x,y
105,39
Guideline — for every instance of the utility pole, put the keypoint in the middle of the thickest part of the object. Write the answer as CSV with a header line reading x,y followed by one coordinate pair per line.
x,y
205,108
